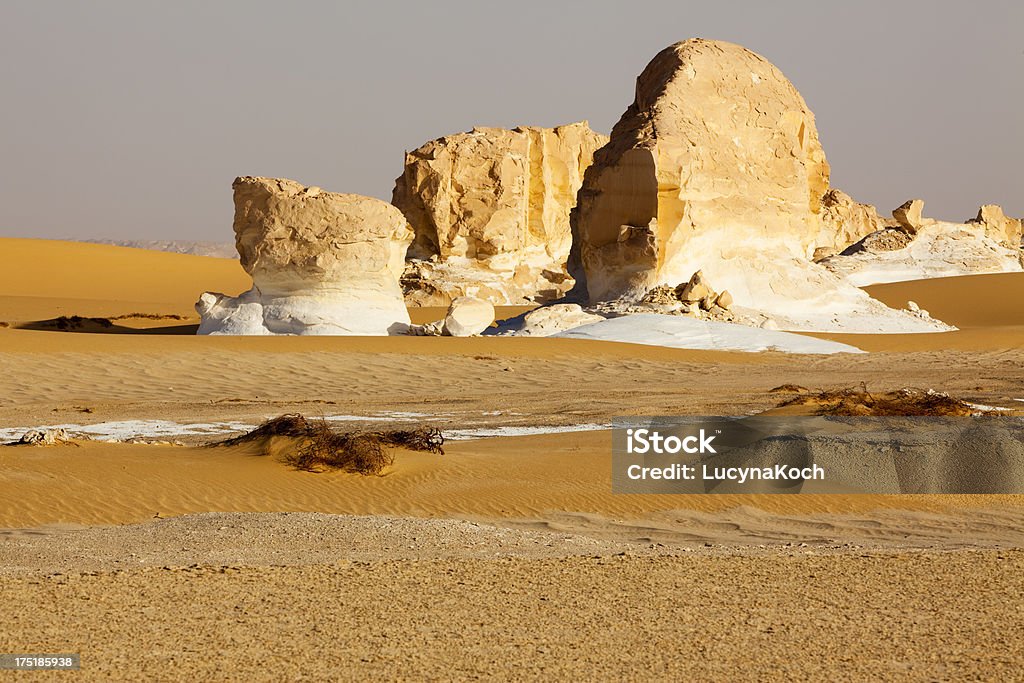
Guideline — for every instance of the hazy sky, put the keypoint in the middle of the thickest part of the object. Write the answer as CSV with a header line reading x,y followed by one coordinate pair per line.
x,y
129,120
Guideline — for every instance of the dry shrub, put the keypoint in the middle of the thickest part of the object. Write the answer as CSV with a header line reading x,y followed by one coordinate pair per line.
x,y
318,447
857,401
148,316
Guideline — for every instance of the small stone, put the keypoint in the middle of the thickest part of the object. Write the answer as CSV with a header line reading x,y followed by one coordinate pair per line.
x,y
697,289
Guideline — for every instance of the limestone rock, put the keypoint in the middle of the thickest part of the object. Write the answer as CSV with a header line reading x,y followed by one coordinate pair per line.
x,y
696,289
716,167
908,215
937,249
662,295
434,329
490,209
548,320
322,263
1005,230
718,149
886,239
44,437
844,222
724,300
468,316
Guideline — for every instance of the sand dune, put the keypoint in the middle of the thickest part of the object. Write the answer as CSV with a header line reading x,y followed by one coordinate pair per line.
x,y
51,269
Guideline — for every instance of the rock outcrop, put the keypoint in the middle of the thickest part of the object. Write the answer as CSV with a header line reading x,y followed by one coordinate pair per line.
x,y
1005,230
322,263
936,249
845,221
490,209
548,320
908,215
717,149
716,167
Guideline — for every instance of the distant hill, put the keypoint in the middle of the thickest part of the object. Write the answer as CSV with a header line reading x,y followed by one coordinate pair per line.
x,y
217,249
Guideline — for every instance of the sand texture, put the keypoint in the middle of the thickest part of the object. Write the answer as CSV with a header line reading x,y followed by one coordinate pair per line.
x,y
506,557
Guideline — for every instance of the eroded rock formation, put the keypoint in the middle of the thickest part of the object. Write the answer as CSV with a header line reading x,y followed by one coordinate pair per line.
x,y
321,263
490,209
908,215
717,149
845,221
934,249
998,226
717,167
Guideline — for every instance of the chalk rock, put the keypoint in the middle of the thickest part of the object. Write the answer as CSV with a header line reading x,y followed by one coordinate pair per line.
x,y
908,215
548,320
322,264
468,316
937,249
844,222
695,289
490,209
433,329
716,167
717,151
45,437
1005,230
886,239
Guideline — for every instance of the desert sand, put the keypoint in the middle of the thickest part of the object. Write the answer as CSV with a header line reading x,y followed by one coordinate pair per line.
x,y
516,543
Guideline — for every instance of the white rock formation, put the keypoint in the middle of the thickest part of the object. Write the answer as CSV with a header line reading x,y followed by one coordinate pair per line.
x,y
321,263
468,316
549,320
937,249
716,167
490,209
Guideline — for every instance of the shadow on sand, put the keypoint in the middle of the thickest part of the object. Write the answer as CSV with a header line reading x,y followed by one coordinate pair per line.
x,y
81,324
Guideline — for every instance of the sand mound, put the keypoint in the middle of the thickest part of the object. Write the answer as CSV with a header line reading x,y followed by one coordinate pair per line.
x,y
903,403
314,447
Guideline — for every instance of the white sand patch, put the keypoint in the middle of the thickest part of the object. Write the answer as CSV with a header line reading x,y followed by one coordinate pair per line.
x,y
487,432
125,430
389,416
129,430
683,332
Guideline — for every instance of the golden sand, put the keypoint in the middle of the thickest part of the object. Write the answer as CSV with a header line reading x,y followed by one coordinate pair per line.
x,y
863,582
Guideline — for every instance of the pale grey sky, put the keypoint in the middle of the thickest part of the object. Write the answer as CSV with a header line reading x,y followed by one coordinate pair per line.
x,y
129,119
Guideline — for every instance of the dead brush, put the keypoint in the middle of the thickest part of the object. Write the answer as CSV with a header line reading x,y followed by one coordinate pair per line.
x,y
858,401
319,448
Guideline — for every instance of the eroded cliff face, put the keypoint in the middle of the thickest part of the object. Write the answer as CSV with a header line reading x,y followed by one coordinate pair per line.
x,y
490,210
717,150
321,263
